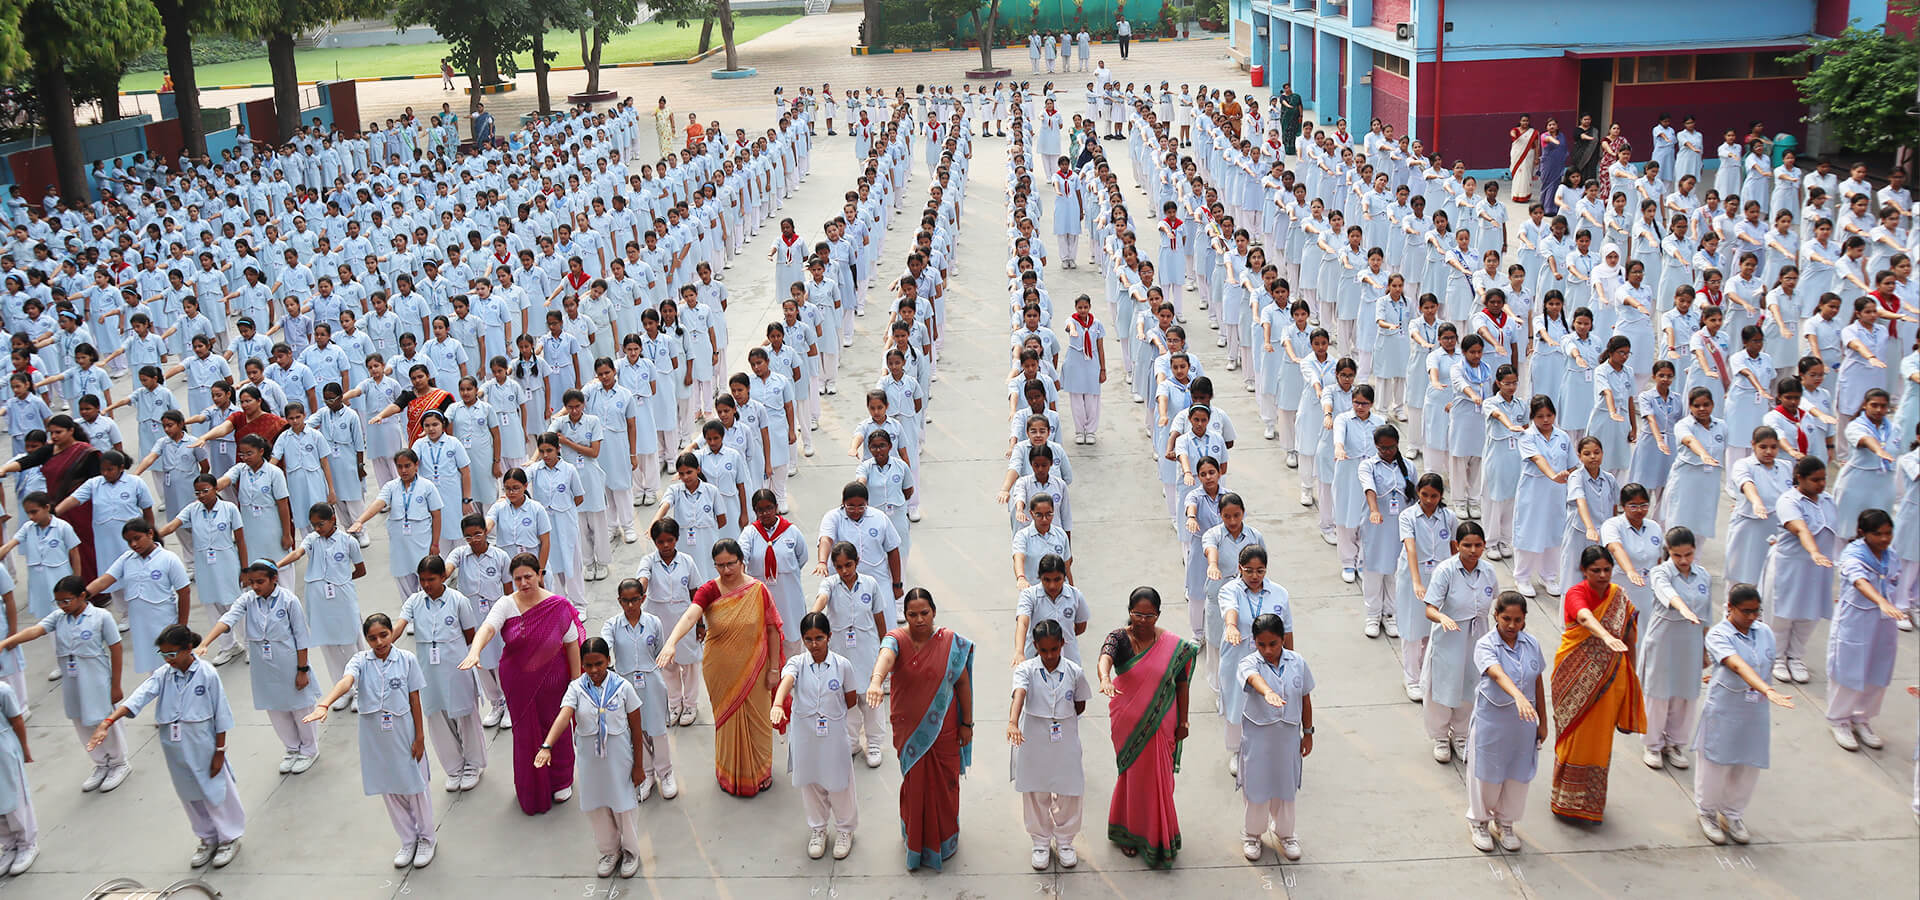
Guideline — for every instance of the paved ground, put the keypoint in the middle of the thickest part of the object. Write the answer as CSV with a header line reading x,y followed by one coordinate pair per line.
x,y
1378,818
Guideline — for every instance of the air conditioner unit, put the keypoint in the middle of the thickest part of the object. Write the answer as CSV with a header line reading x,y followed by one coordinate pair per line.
x,y
1263,31
1403,31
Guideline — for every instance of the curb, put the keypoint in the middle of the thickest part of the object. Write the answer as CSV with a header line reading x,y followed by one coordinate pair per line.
x,y
484,89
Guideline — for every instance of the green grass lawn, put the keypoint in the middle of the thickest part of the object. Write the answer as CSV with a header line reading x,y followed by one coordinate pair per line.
x,y
651,41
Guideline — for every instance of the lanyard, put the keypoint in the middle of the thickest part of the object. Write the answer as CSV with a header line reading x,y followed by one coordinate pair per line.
x,y
599,696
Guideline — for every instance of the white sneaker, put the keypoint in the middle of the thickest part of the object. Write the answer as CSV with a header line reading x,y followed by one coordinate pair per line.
x,y
56,674
1710,826
1903,625
1509,841
1372,629
506,719
286,762
1293,457
1306,497
629,865
1068,858
644,789
1677,758
1799,671
1780,672
1736,829
1442,751
1652,759
493,716
1460,748
1042,858
225,853
668,788
302,763
804,451
365,541
1250,847
1482,839
1527,589
1416,693
1290,848
873,757
563,795
201,855
607,864
116,776
913,515
404,857
1843,735
1393,627
630,536
340,704
1326,534
1347,575
816,845
93,781
1080,437
1868,738
470,779
1233,764
1271,433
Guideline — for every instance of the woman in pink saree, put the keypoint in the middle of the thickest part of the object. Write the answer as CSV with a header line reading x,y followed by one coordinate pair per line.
x,y
1144,670
540,632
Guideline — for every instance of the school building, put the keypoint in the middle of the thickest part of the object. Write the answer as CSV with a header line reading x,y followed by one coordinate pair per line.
x,y
1458,73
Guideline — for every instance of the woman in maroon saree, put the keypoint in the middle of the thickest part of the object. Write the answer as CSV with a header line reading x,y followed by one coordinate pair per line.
x,y
541,634
67,461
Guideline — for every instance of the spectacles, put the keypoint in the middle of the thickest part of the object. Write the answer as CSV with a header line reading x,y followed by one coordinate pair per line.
x,y
726,565
632,599
169,654
1145,617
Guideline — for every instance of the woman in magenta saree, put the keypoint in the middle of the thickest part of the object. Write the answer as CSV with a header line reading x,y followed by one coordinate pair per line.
x,y
541,633
932,719
1144,670
66,460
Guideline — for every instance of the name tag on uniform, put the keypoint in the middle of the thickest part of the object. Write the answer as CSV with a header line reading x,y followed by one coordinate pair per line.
x,y
1053,732
1752,696
820,726
266,650
329,589
433,654
73,664
850,636
173,732
406,526
639,680
1513,443
386,721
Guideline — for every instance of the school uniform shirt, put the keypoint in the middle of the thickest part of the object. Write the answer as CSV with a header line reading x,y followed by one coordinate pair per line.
x,y
189,707
670,588
1069,609
1048,761
634,646
47,552
276,630
517,529
1037,544
816,741
1380,545
1271,766
886,485
1799,589
383,689
151,582
603,749
410,511
82,651
1504,748
1863,643
872,534
332,603
1465,596
115,502
439,625
1736,720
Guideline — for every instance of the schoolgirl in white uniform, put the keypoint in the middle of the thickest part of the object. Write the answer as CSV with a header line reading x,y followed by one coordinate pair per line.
x,y
820,685
635,637
193,719
1459,599
1732,740
332,605
88,654
1693,485
1050,693
1386,483
1276,687
385,683
558,485
1864,642
278,640
1799,564
668,577
482,573
413,507
1753,484
442,621
347,441
51,550
1500,480
1244,599
1659,409
604,712
1506,728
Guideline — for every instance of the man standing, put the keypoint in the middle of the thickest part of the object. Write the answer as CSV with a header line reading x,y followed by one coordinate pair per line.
x,y
1124,30
1290,113
482,125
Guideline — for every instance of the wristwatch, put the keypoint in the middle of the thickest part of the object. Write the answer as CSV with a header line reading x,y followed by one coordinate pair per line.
x,y
899,584
1307,731
546,746
303,668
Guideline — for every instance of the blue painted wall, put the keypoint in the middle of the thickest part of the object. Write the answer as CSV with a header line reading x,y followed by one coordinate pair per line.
x,y
1484,29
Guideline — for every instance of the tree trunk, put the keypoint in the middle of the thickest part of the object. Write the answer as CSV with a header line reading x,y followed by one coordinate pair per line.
x,y
286,83
726,34
540,71
110,102
876,29
706,35
984,31
56,104
484,70
186,91
589,61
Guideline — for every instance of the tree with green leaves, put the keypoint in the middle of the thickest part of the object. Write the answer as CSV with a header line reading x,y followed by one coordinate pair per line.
x,y
482,38
984,20
179,20
1862,85
279,24
684,12
62,35
604,19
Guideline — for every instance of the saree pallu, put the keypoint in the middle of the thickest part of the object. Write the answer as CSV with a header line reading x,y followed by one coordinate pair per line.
x,y
1523,156
735,665
926,736
417,410
534,676
1142,814
1595,693
65,471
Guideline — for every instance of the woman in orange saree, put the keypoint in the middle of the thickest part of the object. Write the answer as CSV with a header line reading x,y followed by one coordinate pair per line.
x,y
932,719
1596,690
1144,670
741,663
